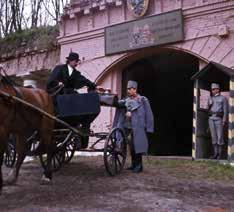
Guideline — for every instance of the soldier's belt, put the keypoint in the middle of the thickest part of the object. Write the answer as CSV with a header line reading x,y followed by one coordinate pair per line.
x,y
218,114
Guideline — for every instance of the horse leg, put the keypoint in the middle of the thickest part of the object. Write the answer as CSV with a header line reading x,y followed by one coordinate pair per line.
x,y
1,161
21,149
47,175
50,148
46,134
2,150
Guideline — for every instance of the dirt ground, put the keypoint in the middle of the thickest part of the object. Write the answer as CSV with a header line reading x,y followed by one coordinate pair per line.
x,y
83,185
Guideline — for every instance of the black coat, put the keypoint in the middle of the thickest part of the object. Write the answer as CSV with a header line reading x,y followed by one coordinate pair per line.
x,y
75,81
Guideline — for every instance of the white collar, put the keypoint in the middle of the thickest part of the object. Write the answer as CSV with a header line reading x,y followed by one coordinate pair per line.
x,y
70,69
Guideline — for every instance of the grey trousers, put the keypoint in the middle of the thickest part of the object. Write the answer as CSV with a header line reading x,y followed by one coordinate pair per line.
x,y
216,130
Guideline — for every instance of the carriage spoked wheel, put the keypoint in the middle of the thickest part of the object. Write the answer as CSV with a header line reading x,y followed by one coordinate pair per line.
x,y
10,155
115,151
70,148
56,161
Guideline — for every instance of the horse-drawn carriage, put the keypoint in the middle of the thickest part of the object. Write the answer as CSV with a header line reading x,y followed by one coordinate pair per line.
x,y
75,112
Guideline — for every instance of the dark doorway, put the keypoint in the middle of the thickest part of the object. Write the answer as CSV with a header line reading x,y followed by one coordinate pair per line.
x,y
165,80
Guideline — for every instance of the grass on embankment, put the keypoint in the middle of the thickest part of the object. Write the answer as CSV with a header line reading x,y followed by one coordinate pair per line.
x,y
199,170
29,40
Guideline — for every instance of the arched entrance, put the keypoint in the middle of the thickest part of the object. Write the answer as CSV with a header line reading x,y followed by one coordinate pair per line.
x,y
165,79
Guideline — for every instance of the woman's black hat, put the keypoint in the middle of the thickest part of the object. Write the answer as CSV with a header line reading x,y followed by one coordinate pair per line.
x,y
73,56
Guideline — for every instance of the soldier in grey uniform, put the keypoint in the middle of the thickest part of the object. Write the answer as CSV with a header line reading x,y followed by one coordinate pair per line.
x,y
136,118
218,117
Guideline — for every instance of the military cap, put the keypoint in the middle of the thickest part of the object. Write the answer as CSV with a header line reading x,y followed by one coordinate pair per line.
x,y
132,84
215,85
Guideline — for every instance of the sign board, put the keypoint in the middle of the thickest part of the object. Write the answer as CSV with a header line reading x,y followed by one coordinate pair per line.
x,y
151,31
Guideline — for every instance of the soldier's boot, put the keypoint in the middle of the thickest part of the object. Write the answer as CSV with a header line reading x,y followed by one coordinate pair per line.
x,y
133,164
216,153
139,167
220,148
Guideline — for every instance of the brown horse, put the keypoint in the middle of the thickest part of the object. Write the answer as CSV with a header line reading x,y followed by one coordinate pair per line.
x,y
22,121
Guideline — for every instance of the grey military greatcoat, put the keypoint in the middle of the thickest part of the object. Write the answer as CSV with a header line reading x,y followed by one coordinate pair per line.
x,y
218,114
142,121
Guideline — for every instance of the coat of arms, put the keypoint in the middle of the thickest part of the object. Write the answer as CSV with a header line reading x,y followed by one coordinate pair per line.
x,y
138,7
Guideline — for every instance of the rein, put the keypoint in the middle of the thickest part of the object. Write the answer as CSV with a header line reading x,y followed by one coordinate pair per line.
x,y
17,99
42,112
56,90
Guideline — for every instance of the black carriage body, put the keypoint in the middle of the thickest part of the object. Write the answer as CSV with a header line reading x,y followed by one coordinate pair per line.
x,y
78,108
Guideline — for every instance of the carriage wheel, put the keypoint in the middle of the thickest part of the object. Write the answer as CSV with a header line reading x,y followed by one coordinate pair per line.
x,y
114,159
70,148
10,156
56,161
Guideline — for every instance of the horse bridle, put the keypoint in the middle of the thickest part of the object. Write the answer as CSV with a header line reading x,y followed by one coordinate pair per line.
x,y
54,91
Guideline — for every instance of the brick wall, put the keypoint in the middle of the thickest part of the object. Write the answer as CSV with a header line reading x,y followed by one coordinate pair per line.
x,y
208,27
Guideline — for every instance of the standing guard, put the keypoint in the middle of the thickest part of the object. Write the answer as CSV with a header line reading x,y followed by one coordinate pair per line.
x,y
218,116
136,118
